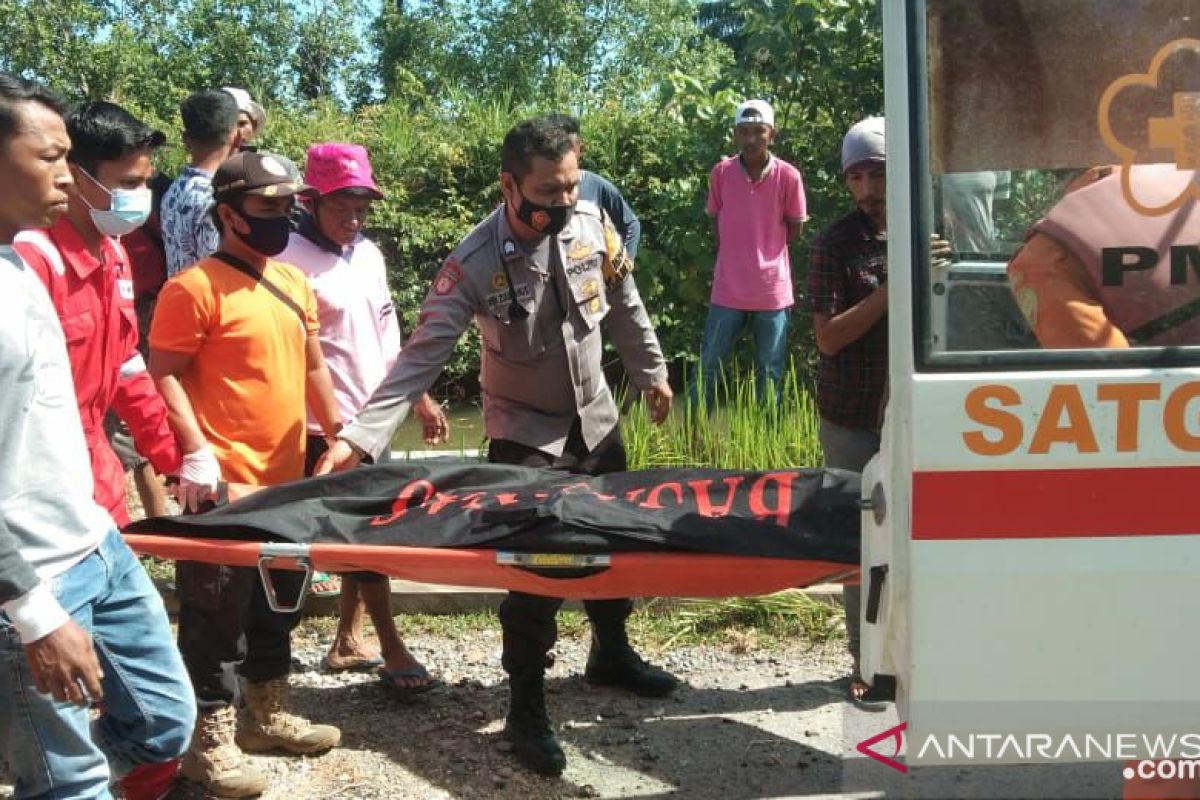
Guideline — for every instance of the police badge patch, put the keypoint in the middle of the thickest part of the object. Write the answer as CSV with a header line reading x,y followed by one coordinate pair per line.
x,y
448,277
580,251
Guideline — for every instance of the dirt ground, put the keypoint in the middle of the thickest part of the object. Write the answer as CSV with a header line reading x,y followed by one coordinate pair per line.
x,y
744,725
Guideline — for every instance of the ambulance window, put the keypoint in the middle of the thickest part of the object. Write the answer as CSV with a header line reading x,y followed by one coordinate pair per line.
x,y
1061,144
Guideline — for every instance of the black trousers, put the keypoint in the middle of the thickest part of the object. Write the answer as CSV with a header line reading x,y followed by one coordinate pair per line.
x,y
226,624
528,620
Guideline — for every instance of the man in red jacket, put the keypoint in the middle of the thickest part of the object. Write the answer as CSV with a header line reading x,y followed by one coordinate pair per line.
x,y
87,274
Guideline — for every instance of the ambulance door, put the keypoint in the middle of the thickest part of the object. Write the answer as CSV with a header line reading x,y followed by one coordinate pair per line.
x,y
1032,549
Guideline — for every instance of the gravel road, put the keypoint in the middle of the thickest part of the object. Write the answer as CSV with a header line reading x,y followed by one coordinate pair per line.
x,y
745,725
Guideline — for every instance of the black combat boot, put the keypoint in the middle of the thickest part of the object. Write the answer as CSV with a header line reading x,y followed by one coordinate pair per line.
x,y
612,662
528,725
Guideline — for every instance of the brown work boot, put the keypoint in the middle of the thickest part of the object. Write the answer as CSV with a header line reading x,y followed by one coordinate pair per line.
x,y
269,727
214,761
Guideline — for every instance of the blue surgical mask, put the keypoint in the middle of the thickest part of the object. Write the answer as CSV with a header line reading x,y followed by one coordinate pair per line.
x,y
128,209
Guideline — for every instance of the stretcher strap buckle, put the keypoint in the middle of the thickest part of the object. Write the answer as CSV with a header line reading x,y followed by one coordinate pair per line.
x,y
284,555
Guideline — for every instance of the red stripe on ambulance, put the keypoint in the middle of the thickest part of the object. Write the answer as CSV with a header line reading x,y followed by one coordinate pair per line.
x,y
1055,503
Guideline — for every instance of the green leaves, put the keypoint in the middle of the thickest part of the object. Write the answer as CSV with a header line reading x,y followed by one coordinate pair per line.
x,y
431,87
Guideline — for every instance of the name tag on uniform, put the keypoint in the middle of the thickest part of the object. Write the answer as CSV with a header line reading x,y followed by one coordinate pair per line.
x,y
500,301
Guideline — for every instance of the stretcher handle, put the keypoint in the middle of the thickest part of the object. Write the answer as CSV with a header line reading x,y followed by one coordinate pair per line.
x,y
284,555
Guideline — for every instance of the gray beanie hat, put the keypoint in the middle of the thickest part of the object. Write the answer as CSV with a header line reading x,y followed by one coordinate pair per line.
x,y
863,142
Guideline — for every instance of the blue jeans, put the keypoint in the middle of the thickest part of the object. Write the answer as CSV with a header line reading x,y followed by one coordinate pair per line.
x,y
55,750
721,331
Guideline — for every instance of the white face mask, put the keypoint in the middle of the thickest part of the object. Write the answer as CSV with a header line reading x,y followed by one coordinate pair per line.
x,y
128,209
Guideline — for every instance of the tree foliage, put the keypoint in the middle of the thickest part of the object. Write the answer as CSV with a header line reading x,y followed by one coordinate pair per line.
x,y
431,86
561,53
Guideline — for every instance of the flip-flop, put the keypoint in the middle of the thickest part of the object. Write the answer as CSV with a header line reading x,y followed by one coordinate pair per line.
x,y
355,663
388,678
873,699
323,577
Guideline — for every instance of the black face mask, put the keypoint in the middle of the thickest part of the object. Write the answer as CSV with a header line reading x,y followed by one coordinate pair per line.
x,y
547,220
267,235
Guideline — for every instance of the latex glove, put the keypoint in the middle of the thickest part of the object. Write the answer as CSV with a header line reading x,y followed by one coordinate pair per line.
x,y
199,475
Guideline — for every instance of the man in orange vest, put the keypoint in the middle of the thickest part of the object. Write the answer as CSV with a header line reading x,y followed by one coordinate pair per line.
x,y
1097,272
1114,265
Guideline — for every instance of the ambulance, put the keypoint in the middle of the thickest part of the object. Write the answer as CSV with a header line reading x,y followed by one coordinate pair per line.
x,y
1031,562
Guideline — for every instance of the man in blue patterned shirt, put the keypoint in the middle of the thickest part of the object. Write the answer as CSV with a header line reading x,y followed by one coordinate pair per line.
x,y
211,135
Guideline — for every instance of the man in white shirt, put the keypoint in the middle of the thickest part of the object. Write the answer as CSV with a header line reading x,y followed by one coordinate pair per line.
x,y
82,624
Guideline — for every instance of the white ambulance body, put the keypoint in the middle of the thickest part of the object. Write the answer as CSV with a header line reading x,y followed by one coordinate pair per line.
x,y
1032,557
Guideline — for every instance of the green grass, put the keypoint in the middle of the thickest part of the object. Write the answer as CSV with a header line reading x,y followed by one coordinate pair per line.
x,y
743,432
742,623
158,569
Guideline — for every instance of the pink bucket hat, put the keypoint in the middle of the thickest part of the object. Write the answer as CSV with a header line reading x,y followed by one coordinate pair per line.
x,y
334,166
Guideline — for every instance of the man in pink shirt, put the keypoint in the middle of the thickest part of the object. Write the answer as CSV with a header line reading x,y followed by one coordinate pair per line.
x,y
758,205
360,340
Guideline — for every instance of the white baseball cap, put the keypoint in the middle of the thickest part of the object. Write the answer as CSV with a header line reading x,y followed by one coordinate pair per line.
x,y
258,116
755,111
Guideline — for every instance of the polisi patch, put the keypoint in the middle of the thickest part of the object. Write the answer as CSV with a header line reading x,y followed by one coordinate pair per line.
x,y
448,277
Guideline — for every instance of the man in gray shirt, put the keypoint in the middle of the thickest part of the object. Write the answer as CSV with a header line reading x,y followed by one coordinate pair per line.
x,y
81,621
600,191
539,276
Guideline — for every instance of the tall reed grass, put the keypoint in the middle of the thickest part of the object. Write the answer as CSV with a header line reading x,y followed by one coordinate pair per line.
x,y
742,432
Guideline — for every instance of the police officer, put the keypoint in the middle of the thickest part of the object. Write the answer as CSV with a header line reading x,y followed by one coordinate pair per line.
x,y
538,276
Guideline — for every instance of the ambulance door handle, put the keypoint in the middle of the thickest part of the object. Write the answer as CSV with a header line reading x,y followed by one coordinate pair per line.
x,y
877,575
876,504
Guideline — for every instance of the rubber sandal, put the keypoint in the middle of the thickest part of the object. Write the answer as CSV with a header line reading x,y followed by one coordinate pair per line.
x,y
319,578
873,699
388,678
354,663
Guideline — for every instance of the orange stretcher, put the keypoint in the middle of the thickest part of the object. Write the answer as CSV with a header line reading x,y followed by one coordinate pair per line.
x,y
574,576
583,576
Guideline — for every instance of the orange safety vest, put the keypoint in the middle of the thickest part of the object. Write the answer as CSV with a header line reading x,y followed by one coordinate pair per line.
x,y
1146,269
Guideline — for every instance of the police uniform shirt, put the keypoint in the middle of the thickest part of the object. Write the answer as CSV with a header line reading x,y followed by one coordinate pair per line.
x,y
538,372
